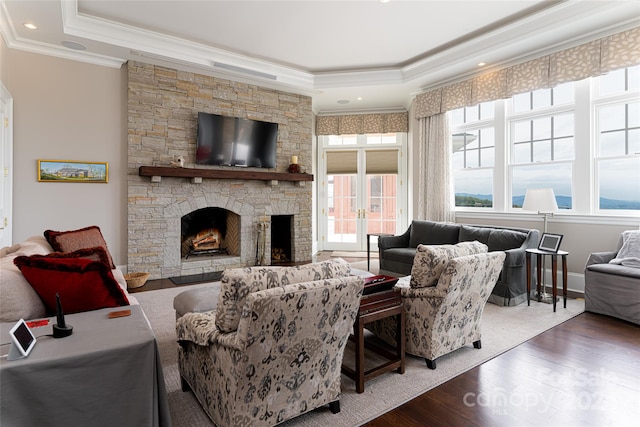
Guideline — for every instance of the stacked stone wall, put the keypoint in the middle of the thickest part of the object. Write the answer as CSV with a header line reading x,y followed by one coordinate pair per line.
x,y
163,105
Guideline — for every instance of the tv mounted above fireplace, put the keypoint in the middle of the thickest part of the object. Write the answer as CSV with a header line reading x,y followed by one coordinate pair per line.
x,y
232,141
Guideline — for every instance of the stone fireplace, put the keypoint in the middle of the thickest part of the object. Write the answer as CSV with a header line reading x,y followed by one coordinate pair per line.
x,y
225,212
209,232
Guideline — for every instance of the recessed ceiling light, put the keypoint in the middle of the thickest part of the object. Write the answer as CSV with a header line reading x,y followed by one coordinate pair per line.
x,y
359,98
343,101
481,64
73,45
30,26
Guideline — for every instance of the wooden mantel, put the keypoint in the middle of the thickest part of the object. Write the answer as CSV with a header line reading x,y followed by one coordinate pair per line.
x,y
194,173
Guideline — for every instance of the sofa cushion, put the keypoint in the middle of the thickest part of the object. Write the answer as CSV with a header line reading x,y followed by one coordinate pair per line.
x,y
83,284
433,233
34,245
18,300
502,240
238,283
430,261
400,254
72,240
470,233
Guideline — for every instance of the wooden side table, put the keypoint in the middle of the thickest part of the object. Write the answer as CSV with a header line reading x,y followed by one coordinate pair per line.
x,y
369,246
554,273
373,307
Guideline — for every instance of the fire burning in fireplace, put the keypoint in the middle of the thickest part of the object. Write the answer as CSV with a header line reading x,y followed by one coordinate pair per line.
x,y
207,239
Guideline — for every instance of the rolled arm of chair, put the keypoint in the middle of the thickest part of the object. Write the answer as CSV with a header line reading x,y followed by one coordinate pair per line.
x,y
514,257
388,242
600,258
430,292
201,329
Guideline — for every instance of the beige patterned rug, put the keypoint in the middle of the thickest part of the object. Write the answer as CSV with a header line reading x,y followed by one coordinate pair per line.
x,y
502,329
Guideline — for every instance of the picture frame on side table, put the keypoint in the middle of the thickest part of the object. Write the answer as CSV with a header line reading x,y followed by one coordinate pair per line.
x,y
550,242
73,171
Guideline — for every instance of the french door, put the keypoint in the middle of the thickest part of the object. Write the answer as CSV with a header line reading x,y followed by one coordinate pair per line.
x,y
362,193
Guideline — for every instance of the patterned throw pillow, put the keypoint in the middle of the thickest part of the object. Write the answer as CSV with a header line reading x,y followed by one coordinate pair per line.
x,y
69,241
97,253
238,283
83,284
430,261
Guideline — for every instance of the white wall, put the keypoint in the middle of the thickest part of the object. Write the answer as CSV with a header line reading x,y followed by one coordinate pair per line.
x,y
67,110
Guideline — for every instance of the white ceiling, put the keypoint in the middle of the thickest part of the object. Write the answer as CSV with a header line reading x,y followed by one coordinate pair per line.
x,y
383,53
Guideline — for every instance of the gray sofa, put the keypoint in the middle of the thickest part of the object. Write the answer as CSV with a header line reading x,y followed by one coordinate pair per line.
x,y
612,289
397,252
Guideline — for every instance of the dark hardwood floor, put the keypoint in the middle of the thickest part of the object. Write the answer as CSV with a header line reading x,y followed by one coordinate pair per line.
x,y
584,372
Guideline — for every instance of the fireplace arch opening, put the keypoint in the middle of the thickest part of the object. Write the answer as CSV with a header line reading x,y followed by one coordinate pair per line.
x,y
210,232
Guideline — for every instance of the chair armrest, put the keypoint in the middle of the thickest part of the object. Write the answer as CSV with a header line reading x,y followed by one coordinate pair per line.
x,y
388,242
600,258
201,329
514,257
432,293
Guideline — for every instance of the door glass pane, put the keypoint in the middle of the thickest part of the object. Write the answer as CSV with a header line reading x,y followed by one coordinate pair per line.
x,y
341,193
381,203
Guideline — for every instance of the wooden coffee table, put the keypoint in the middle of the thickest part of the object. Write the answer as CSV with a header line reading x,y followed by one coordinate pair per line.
x,y
375,306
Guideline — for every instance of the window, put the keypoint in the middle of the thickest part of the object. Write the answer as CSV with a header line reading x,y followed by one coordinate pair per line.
x,y
341,139
473,155
581,138
617,160
541,142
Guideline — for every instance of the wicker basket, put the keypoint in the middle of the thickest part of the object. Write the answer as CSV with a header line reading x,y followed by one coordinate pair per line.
x,y
135,280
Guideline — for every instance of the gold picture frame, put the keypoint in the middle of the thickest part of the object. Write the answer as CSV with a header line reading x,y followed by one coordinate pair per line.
x,y
73,171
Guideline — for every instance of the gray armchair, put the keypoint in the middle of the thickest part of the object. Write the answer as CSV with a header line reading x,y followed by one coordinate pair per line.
x,y
613,289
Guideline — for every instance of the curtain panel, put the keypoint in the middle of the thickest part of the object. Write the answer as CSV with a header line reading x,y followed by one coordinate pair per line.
x,y
435,195
587,60
360,124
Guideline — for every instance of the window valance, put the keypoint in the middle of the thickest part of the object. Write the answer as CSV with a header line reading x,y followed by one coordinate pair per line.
x,y
587,60
362,124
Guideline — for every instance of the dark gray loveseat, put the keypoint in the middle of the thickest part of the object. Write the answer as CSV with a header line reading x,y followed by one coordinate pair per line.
x,y
397,252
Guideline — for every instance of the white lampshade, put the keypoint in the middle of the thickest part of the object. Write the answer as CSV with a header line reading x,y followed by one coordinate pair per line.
x,y
540,200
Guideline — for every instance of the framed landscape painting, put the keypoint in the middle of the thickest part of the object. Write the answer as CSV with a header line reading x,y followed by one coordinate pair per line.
x,y
72,171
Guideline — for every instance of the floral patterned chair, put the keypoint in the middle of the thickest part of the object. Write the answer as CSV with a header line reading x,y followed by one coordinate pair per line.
x,y
444,299
273,348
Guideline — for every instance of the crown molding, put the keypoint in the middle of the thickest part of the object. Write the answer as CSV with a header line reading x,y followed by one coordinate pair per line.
x,y
14,42
574,19
169,47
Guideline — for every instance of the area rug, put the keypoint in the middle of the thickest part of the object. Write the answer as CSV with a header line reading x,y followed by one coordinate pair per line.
x,y
502,329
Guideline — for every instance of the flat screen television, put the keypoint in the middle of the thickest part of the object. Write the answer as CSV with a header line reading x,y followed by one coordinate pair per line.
x,y
232,141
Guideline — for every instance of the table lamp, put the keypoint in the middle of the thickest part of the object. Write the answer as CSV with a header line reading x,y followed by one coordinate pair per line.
x,y
543,201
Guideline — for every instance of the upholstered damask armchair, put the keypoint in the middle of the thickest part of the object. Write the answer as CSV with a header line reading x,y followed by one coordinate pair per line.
x,y
273,348
444,299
